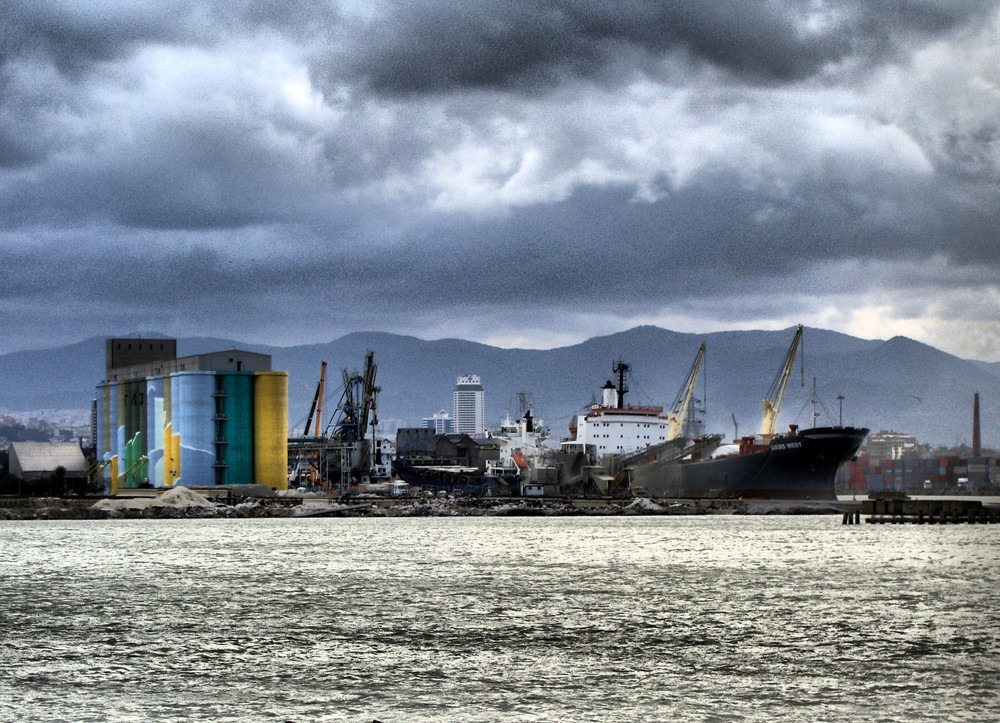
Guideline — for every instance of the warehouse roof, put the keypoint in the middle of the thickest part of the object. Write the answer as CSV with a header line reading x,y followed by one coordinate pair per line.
x,y
34,457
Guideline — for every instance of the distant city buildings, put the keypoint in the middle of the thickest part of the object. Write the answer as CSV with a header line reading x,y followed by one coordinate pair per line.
x,y
441,423
888,445
45,425
895,462
470,410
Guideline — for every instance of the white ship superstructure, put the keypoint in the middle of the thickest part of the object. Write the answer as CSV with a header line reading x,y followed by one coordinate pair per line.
x,y
520,442
613,428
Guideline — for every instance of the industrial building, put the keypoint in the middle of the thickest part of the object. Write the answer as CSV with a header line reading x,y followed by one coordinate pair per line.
x,y
210,419
32,460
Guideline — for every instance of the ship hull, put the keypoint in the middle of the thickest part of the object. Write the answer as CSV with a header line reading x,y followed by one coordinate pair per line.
x,y
454,482
795,466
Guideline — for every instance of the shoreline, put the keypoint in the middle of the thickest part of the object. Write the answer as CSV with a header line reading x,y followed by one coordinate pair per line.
x,y
191,505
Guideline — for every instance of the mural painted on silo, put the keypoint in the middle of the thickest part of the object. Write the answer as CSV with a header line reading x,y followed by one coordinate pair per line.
x,y
192,416
194,428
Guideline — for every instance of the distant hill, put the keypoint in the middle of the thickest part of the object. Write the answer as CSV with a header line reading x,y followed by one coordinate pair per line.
x,y
898,384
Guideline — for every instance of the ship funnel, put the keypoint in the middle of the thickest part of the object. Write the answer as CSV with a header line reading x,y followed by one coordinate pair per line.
x,y
610,395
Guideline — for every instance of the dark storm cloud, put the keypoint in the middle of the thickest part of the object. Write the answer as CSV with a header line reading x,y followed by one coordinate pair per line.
x,y
599,246
431,46
76,35
278,166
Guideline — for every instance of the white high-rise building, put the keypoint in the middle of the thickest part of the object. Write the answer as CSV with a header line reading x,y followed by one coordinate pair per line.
x,y
470,412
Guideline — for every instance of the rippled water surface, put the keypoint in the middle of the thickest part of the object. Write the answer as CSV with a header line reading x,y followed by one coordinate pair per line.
x,y
715,618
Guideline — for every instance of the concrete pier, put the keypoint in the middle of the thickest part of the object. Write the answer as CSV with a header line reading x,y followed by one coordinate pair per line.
x,y
931,512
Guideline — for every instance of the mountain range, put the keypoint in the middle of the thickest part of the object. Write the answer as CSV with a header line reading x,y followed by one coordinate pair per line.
x,y
898,384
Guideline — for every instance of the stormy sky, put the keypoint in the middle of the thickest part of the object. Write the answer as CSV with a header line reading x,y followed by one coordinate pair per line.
x,y
516,173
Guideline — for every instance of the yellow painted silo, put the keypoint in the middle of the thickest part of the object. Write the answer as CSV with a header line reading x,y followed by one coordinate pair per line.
x,y
270,429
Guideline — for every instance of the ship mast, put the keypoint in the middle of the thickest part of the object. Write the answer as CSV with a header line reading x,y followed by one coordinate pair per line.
x,y
676,418
772,404
621,369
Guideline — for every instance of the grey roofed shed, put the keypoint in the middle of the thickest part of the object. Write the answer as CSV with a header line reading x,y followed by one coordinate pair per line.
x,y
29,460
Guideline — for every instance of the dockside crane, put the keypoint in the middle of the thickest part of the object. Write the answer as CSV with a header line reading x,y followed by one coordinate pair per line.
x,y
772,403
349,422
678,410
338,452
316,408
348,426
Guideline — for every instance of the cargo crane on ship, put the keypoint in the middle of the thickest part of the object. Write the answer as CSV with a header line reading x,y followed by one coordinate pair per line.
x,y
772,402
675,445
679,409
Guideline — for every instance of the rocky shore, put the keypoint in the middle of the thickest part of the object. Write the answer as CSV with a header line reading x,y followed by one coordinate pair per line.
x,y
183,502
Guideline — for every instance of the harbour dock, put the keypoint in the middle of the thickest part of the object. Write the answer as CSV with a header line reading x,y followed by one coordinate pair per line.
x,y
902,510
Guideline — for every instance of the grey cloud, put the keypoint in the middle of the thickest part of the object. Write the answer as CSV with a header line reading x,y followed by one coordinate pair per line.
x,y
437,47
428,45
705,241
75,35
156,219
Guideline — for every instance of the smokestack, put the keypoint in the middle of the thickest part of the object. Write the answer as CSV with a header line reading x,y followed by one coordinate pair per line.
x,y
976,448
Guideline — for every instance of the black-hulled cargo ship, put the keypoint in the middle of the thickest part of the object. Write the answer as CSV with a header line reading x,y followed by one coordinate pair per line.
x,y
799,465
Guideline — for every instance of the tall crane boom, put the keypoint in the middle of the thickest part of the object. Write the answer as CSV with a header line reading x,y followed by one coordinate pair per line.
x,y
316,408
675,417
368,392
357,403
772,404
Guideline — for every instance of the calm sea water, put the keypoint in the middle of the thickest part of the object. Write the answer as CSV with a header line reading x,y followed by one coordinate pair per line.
x,y
715,618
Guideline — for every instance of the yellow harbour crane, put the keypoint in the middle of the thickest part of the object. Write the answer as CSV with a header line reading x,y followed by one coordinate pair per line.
x,y
772,403
675,417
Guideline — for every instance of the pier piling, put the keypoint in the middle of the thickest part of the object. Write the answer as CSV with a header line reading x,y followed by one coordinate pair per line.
x,y
899,510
